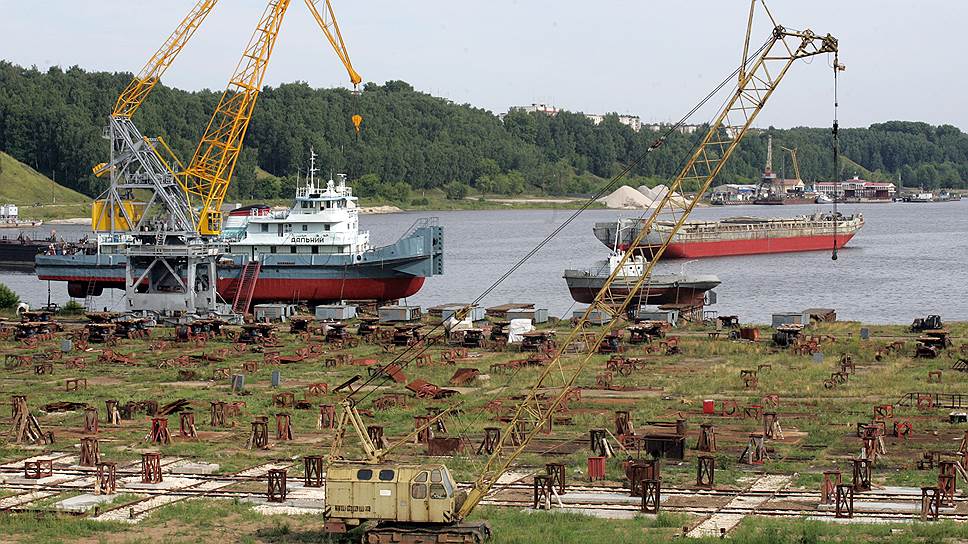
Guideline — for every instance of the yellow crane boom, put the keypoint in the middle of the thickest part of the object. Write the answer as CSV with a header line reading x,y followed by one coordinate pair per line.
x,y
327,23
207,177
759,78
796,163
141,85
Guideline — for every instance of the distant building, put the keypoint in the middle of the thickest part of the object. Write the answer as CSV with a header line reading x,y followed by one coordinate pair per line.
x,y
857,190
631,121
662,127
536,108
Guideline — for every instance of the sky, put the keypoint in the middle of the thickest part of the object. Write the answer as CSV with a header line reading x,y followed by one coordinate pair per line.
x,y
655,59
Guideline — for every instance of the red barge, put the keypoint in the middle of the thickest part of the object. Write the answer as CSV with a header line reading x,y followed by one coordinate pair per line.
x,y
736,235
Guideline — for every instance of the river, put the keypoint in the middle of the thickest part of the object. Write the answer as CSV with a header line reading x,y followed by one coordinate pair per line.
x,y
908,260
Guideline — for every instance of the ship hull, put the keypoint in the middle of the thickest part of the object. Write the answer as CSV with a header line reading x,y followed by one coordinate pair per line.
x,y
657,291
740,236
387,273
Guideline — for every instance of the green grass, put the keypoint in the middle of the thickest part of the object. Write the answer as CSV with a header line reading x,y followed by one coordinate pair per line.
x,y
24,186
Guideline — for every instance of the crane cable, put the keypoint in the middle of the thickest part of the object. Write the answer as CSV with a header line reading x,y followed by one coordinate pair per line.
x,y
422,347
836,149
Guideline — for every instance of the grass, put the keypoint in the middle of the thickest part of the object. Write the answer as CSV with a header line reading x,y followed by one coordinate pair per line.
x,y
24,186
819,423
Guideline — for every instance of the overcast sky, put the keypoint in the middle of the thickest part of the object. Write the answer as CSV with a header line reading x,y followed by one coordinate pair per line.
x,y
654,59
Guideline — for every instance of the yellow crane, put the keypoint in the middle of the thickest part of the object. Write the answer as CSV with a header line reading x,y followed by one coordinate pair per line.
x,y
353,494
796,163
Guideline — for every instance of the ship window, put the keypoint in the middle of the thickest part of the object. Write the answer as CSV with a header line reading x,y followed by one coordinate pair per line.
x,y
386,475
315,250
305,228
272,249
418,491
265,227
292,249
364,474
326,226
437,491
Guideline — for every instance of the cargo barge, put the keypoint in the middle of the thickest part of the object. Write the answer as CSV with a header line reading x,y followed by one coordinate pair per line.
x,y
736,235
313,252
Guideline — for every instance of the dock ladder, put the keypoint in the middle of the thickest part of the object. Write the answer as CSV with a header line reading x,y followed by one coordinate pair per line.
x,y
246,286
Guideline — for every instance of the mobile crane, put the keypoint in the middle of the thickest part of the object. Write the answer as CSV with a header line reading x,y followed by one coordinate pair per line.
x,y
421,502
164,216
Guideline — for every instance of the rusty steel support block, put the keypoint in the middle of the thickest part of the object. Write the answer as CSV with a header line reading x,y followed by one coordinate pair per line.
x,y
771,426
845,501
74,384
327,417
112,416
947,482
623,423
934,376
90,420
651,496
283,427
313,474
217,413
750,379
596,468
598,442
492,437
755,452
44,368
862,475
828,488
375,432
729,408
556,471
706,471
106,480
753,411
259,438
424,436
707,438
286,399
440,425
638,472
159,431
276,491
186,425
35,470
151,467
90,452
542,492
930,503
883,411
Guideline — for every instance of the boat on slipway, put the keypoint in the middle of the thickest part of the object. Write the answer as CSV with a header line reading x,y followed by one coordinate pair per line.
x,y
313,252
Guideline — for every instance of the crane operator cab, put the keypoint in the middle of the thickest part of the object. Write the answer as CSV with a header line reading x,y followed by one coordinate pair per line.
x,y
358,492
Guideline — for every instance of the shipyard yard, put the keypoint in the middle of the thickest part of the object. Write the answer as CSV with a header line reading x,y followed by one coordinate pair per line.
x,y
685,325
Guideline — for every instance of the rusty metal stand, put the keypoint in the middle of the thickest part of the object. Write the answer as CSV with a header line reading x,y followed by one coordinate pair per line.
x,y
35,470
283,427
845,501
186,425
327,417
755,452
651,496
557,473
598,441
260,433
492,436
151,467
90,420
218,413
947,482
424,436
706,471
277,485
828,489
862,475
542,492
771,426
707,438
106,481
112,416
639,471
313,474
90,454
159,431
930,503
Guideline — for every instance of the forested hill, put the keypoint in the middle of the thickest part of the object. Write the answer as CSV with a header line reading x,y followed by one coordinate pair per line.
x,y
53,122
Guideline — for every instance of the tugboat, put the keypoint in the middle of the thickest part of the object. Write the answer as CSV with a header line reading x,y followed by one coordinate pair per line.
x,y
659,289
313,252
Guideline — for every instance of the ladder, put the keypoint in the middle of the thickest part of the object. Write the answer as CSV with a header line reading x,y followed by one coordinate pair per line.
x,y
246,287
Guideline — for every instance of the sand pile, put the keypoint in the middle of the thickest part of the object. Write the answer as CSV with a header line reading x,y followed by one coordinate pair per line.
x,y
644,197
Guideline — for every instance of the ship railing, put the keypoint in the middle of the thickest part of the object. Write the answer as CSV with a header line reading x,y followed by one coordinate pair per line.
x,y
419,224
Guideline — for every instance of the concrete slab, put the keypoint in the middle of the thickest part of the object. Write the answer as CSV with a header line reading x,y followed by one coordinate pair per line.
x,y
83,503
195,468
168,482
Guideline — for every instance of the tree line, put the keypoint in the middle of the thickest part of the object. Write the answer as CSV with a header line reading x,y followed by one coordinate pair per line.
x,y
411,142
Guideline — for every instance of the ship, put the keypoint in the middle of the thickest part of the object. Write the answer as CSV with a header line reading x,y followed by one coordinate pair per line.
x,y
659,289
774,191
313,252
735,235
19,253
10,218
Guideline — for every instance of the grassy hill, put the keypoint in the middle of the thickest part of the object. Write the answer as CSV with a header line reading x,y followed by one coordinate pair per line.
x,y
24,186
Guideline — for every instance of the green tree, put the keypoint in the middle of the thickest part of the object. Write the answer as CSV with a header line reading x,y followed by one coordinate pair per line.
x,y
8,299
456,190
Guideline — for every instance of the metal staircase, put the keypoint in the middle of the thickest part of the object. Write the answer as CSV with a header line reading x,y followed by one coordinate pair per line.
x,y
246,287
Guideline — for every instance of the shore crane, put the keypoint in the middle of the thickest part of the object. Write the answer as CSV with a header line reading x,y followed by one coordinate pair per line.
x,y
421,502
166,216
